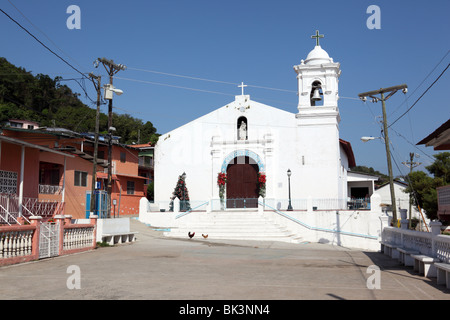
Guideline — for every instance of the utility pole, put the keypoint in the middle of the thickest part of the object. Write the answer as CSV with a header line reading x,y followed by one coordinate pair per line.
x,y
97,86
411,165
111,68
382,91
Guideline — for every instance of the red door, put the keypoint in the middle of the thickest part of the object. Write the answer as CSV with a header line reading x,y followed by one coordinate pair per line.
x,y
242,184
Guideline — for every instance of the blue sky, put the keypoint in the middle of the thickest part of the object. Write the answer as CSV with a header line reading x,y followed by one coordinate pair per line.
x,y
257,42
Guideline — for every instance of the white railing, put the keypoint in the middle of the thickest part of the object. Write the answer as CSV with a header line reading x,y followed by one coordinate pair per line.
x,y
427,243
49,189
16,243
442,247
77,237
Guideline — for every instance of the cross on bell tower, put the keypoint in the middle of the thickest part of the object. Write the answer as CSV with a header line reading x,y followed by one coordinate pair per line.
x,y
317,36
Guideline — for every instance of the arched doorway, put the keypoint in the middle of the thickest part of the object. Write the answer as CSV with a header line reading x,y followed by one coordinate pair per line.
x,y
242,183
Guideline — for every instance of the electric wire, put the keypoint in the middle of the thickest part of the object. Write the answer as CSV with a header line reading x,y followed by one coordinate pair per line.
x,y
44,34
43,44
412,93
442,73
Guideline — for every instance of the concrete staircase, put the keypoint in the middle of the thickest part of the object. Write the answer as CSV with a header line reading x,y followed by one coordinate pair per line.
x,y
231,225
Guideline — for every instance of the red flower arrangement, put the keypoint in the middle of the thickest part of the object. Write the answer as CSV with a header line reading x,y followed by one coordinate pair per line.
x,y
222,179
262,184
262,178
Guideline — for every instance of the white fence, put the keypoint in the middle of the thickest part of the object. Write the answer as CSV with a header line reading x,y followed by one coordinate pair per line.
x,y
431,244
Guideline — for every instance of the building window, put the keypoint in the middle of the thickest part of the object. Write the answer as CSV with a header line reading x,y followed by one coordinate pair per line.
x,y
8,182
123,157
80,179
130,187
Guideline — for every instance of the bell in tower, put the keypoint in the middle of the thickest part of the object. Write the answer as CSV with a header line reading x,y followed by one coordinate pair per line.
x,y
316,92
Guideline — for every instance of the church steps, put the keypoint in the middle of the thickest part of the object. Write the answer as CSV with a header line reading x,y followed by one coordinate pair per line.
x,y
233,225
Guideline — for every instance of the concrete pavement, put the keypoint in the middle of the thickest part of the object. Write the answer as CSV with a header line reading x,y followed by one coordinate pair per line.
x,y
155,268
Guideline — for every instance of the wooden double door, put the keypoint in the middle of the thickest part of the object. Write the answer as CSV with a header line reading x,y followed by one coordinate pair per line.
x,y
242,183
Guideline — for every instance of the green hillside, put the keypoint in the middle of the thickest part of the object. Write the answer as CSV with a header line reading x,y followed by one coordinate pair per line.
x,y
52,103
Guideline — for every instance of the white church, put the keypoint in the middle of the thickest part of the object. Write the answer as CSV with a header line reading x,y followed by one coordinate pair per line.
x,y
255,172
299,154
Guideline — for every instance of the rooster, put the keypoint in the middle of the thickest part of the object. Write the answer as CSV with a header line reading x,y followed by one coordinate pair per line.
x,y
205,235
191,235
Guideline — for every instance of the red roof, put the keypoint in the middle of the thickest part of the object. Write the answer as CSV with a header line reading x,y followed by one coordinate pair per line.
x,y
349,151
143,145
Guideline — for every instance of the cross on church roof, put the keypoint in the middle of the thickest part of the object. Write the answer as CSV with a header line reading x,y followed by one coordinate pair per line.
x,y
242,87
317,36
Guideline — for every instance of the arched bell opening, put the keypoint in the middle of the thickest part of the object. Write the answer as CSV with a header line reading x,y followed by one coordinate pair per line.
x,y
316,95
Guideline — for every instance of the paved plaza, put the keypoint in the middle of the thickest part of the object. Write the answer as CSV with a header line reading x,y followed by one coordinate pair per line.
x,y
159,268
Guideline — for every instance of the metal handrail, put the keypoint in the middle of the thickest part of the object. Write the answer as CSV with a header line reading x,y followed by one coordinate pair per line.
x,y
317,228
190,210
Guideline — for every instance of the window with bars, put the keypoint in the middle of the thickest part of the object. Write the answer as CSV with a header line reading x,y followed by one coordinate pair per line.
x,y
8,182
80,179
130,187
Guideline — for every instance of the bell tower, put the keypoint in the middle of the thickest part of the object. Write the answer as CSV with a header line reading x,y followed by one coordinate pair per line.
x,y
318,123
318,78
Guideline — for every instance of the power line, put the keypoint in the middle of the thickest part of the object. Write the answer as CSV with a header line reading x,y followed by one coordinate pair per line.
x,y
45,35
172,86
45,46
217,81
412,93
420,96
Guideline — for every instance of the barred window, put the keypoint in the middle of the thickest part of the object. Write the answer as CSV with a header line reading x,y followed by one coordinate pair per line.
x,y
80,179
130,187
8,182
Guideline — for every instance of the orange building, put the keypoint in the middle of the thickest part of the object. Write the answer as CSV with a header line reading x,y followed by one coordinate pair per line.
x,y
66,174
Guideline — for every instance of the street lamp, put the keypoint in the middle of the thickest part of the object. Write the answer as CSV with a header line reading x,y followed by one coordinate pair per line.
x,y
365,139
289,185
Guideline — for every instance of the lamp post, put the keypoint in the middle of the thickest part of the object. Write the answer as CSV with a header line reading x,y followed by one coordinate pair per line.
x,y
391,91
289,186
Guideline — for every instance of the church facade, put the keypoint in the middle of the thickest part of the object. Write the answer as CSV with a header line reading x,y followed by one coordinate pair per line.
x,y
246,150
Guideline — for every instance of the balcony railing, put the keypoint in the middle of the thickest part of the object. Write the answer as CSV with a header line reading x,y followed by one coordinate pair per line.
x,y
49,189
10,208
146,162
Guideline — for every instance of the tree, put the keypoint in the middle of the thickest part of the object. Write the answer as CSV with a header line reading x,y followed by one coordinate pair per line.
x,y
440,168
46,101
422,187
181,193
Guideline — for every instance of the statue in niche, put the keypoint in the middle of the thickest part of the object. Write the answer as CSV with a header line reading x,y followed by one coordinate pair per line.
x,y
243,131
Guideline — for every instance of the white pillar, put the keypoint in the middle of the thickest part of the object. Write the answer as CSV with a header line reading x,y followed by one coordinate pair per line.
x,y
176,205
64,183
22,165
